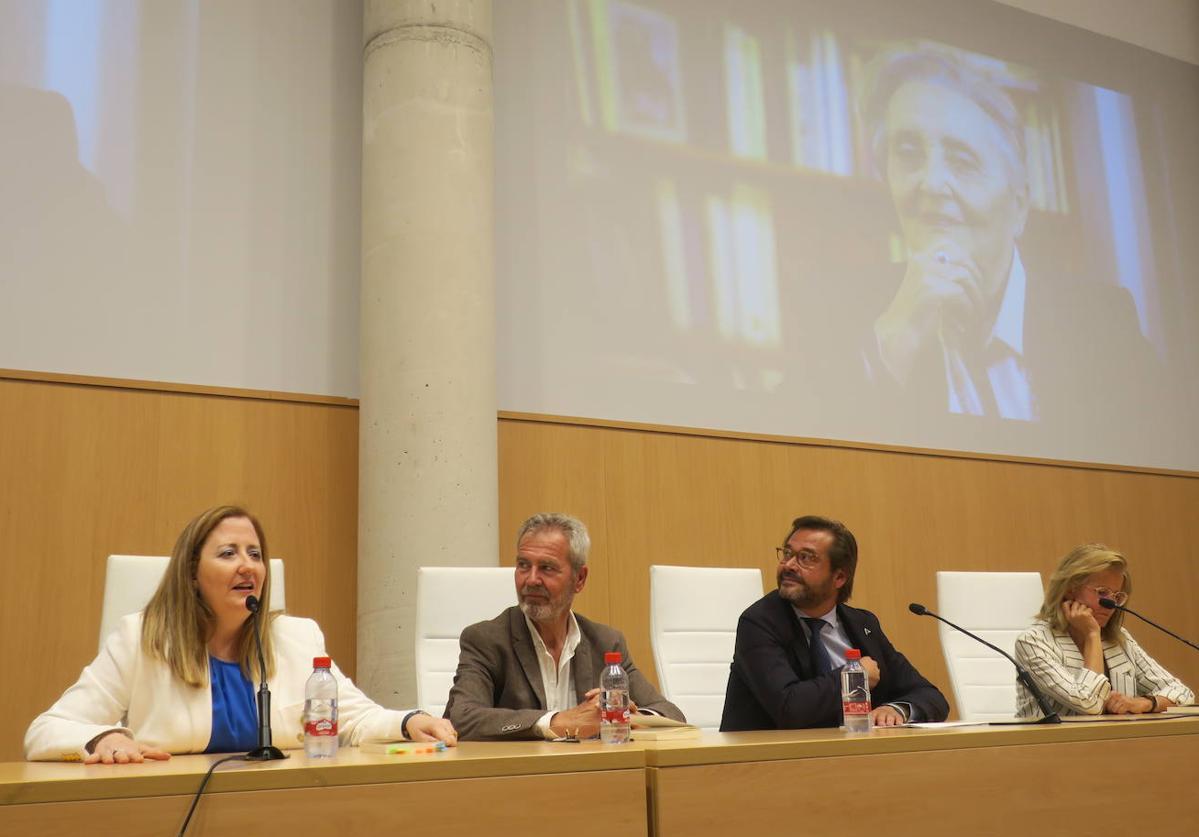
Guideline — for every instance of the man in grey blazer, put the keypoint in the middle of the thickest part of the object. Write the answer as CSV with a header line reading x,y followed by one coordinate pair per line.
x,y
533,671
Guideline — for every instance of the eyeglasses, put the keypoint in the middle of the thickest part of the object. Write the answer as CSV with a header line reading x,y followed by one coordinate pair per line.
x,y
1104,593
807,560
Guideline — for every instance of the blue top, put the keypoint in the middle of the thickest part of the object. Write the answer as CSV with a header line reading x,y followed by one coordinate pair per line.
x,y
234,712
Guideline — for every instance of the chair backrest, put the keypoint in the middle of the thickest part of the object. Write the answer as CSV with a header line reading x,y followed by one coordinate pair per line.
x,y
131,580
693,627
997,607
449,599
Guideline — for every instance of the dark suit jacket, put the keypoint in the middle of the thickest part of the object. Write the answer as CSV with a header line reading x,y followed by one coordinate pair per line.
x,y
1087,363
498,694
771,685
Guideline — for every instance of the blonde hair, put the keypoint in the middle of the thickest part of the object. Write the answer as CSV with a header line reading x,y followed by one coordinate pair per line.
x,y
177,622
1077,566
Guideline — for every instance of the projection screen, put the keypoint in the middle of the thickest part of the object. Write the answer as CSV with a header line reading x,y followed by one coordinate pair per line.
x,y
941,224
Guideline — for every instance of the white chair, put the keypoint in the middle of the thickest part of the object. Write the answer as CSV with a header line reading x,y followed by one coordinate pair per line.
x,y
998,607
131,580
693,627
449,599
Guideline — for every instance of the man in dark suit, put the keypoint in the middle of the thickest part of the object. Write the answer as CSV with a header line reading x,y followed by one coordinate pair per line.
x,y
534,670
782,677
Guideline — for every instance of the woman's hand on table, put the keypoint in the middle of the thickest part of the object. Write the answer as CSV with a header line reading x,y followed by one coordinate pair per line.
x,y
427,728
119,748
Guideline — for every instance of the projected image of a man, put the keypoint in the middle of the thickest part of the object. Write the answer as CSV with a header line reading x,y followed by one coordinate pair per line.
x,y
950,146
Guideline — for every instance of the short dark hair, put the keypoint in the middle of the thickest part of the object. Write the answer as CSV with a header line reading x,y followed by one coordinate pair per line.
x,y
842,554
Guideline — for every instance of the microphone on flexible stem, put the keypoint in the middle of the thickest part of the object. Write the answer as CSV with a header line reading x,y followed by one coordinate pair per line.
x,y
1110,604
1050,717
264,751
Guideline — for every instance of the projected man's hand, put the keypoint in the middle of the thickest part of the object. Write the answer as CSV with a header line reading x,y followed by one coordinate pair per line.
x,y
940,298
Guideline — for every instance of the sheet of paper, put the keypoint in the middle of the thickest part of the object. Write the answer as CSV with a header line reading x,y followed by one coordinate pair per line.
x,y
1082,719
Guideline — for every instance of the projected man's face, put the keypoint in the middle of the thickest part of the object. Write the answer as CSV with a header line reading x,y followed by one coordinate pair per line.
x,y
951,177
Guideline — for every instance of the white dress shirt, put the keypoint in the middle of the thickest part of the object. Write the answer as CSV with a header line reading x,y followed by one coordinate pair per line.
x,y
556,679
836,643
998,372
835,640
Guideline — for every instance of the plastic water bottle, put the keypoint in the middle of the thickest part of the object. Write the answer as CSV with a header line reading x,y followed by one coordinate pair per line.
x,y
320,711
614,701
855,693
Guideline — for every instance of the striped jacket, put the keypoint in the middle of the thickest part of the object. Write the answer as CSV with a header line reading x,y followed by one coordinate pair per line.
x,y
1056,665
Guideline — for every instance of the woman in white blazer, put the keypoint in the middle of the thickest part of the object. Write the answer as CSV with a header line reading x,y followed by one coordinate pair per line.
x,y
1078,653
180,676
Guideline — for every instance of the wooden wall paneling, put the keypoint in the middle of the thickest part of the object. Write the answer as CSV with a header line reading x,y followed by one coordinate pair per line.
x,y
95,469
1158,530
669,503
295,466
556,468
678,497
64,456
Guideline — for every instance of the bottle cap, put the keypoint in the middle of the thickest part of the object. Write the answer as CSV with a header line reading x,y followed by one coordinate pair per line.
x,y
611,658
853,654
322,662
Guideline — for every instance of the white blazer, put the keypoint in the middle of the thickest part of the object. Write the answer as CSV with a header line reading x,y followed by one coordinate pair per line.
x,y
125,689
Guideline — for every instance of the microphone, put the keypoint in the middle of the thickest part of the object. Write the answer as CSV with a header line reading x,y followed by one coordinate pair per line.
x,y
1111,605
1050,717
264,751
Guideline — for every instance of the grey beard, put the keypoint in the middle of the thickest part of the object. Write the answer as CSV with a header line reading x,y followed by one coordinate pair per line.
x,y
537,612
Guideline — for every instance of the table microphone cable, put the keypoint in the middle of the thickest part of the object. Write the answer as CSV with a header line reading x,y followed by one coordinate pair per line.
x,y
204,784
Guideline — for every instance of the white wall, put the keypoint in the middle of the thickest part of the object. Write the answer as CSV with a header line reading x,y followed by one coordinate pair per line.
x,y
1170,27
181,190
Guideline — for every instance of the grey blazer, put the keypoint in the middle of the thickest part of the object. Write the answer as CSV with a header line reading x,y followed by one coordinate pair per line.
x,y
498,694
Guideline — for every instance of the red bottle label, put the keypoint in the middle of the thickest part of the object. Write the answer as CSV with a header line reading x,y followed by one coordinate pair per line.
x,y
857,708
615,716
322,727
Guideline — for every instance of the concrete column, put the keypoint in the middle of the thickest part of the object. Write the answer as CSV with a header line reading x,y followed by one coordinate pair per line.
x,y
427,421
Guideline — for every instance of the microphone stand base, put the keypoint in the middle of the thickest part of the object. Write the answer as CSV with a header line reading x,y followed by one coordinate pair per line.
x,y
267,753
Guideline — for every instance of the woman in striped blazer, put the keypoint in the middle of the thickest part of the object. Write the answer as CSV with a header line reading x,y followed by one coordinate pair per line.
x,y
1078,653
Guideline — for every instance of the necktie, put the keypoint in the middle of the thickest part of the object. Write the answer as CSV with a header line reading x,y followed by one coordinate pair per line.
x,y
821,664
